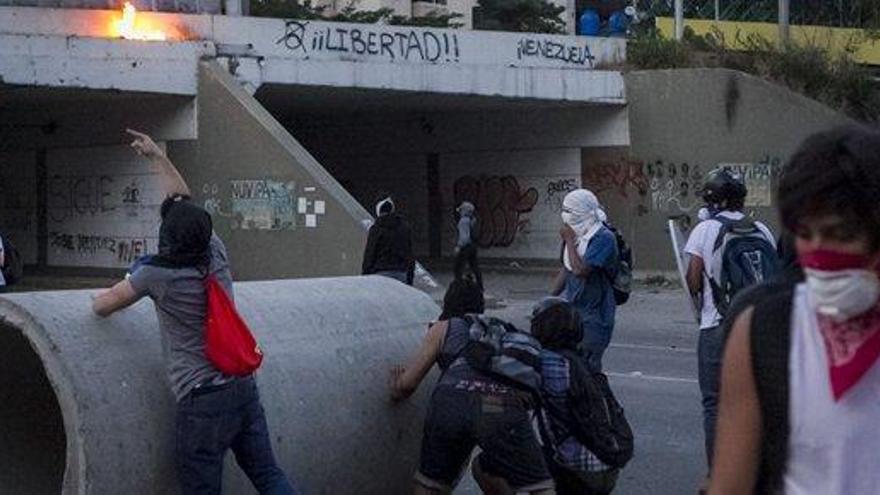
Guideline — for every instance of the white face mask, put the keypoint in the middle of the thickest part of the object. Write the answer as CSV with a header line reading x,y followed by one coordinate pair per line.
x,y
843,294
579,223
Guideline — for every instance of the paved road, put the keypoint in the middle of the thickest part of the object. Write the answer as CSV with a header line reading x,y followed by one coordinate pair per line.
x,y
652,365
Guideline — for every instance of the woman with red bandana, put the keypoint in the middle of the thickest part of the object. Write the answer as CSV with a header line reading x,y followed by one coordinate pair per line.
x,y
800,386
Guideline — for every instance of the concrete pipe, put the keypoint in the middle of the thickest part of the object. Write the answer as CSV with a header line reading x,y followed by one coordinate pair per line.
x,y
86,407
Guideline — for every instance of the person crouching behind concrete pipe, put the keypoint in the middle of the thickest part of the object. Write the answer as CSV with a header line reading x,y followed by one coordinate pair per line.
x,y
469,409
215,412
577,471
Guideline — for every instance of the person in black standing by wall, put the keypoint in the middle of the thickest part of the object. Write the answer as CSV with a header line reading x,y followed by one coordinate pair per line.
x,y
389,250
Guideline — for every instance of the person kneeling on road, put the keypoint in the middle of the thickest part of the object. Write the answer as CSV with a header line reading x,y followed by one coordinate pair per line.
x,y
470,408
577,407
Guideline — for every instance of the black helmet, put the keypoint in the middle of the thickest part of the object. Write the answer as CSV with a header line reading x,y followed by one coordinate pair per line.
x,y
724,187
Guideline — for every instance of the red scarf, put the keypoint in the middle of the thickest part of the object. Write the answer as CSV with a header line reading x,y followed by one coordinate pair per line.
x,y
853,346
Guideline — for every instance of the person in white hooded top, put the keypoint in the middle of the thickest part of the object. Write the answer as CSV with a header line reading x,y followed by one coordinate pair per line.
x,y
589,265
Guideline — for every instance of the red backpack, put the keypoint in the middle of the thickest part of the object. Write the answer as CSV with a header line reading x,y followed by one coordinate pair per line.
x,y
229,343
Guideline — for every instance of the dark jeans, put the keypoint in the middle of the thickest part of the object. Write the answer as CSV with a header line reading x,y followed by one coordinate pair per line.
x,y
571,483
214,419
459,420
709,352
468,255
595,343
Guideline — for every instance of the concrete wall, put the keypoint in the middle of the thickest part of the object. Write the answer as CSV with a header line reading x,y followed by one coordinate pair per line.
x,y
518,195
683,124
18,202
280,213
514,164
74,194
91,207
102,207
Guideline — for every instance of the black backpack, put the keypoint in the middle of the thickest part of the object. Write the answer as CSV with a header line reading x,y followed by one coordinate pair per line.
x,y
770,349
599,420
742,257
498,349
13,266
622,281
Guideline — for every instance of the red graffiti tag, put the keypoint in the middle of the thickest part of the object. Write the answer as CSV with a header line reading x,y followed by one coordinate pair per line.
x,y
500,202
619,176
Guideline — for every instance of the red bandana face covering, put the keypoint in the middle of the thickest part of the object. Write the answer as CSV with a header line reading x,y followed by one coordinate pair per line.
x,y
845,296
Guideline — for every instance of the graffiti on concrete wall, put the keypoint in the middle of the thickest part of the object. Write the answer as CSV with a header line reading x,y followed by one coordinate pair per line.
x,y
549,49
122,249
320,40
673,188
556,191
265,204
102,207
759,178
501,205
423,45
622,176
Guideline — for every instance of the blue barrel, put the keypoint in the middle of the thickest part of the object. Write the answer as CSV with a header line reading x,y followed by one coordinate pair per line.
x,y
589,23
618,22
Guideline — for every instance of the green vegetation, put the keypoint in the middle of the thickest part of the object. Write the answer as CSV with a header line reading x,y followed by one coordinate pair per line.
x,y
838,13
531,16
304,9
834,79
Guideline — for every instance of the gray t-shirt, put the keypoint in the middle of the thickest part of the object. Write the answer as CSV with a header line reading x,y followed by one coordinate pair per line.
x,y
179,298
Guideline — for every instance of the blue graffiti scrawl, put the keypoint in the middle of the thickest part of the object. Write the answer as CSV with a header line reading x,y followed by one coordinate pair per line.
x,y
264,204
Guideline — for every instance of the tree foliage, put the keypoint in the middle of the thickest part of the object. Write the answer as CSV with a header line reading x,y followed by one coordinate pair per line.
x,y
532,16
304,9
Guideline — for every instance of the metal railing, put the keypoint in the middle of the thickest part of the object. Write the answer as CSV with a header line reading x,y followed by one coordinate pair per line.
x,y
863,14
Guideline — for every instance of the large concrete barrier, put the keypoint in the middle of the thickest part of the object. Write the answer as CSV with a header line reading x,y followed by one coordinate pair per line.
x,y
85,407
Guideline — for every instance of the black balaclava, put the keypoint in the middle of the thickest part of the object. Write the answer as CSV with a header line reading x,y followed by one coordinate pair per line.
x,y
185,235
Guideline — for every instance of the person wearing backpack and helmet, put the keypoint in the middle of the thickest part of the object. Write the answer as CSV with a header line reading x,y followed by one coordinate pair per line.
x,y
470,407
577,407
590,265
710,245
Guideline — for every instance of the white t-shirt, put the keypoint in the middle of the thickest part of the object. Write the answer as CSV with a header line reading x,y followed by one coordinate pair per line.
x,y
701,243
832,446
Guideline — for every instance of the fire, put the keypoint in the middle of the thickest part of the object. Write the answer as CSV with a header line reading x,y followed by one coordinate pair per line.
x,y
132,28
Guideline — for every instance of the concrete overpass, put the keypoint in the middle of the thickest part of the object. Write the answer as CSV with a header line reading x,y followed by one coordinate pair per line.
x,y
286,128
